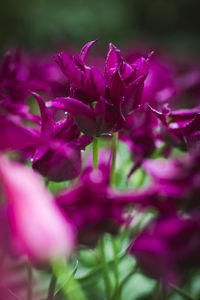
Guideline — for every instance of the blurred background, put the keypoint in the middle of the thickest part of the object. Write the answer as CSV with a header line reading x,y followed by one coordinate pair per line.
x,y
49,24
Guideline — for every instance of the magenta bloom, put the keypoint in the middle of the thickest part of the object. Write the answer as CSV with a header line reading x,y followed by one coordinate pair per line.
x,y
140,131
38,228
180,127
58,157
15,87
21,74
92,206
173,243
43,74
99,102
160,85
15,135
177,180
140,135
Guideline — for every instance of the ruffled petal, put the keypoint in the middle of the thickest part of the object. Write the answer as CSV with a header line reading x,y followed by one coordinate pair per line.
x,y
85,49
81,113
47,121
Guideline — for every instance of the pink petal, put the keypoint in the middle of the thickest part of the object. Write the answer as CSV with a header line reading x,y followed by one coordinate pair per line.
x,y
39,230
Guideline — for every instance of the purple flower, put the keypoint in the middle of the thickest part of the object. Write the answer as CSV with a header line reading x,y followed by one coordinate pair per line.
x,y
58,157
187,80
140,135
145,198
43,74
99,102
101,120
86,83
21,74
160,85
173,243
179,126
140,131
92,206
16,136
14,88
177,180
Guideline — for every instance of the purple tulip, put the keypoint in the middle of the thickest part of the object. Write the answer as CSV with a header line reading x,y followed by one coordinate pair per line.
x,y
173,243
91,205
177,180
16,136
19,74
99,102
59,157
140,135
160,85
14,88
178,126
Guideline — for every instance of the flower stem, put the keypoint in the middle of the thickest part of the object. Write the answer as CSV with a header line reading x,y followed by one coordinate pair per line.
x,y
95,153
181,292
124,281
116,265
114,156
52,287
104,267
157,153
98,269
164,293
114,242
69,285
30,281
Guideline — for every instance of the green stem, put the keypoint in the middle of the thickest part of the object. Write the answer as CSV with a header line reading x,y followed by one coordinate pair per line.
x,y
52,287
47,181
98,269
70,286
112,182
95,153
124,281
142,178
158,151
181,292
114,156
104,267
164,293
30,281
156,292
116,266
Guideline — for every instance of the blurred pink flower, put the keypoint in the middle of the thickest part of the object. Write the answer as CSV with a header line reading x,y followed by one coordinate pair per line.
x,y
38,229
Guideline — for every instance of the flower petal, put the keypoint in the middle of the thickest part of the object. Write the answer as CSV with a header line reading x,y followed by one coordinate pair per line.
x,y
15,136
60,163
39,230
81,113
113,60
85,49
48,123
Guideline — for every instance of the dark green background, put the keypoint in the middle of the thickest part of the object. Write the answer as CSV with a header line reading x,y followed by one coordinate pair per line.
x,y
48,23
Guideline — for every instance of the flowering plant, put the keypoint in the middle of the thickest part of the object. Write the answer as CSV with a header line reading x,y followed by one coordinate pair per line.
x,y
100,188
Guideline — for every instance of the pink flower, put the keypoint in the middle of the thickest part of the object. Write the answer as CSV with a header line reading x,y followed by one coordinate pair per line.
x,y
38,229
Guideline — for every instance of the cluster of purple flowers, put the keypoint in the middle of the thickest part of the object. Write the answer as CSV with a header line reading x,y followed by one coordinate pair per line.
x,y
140,98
